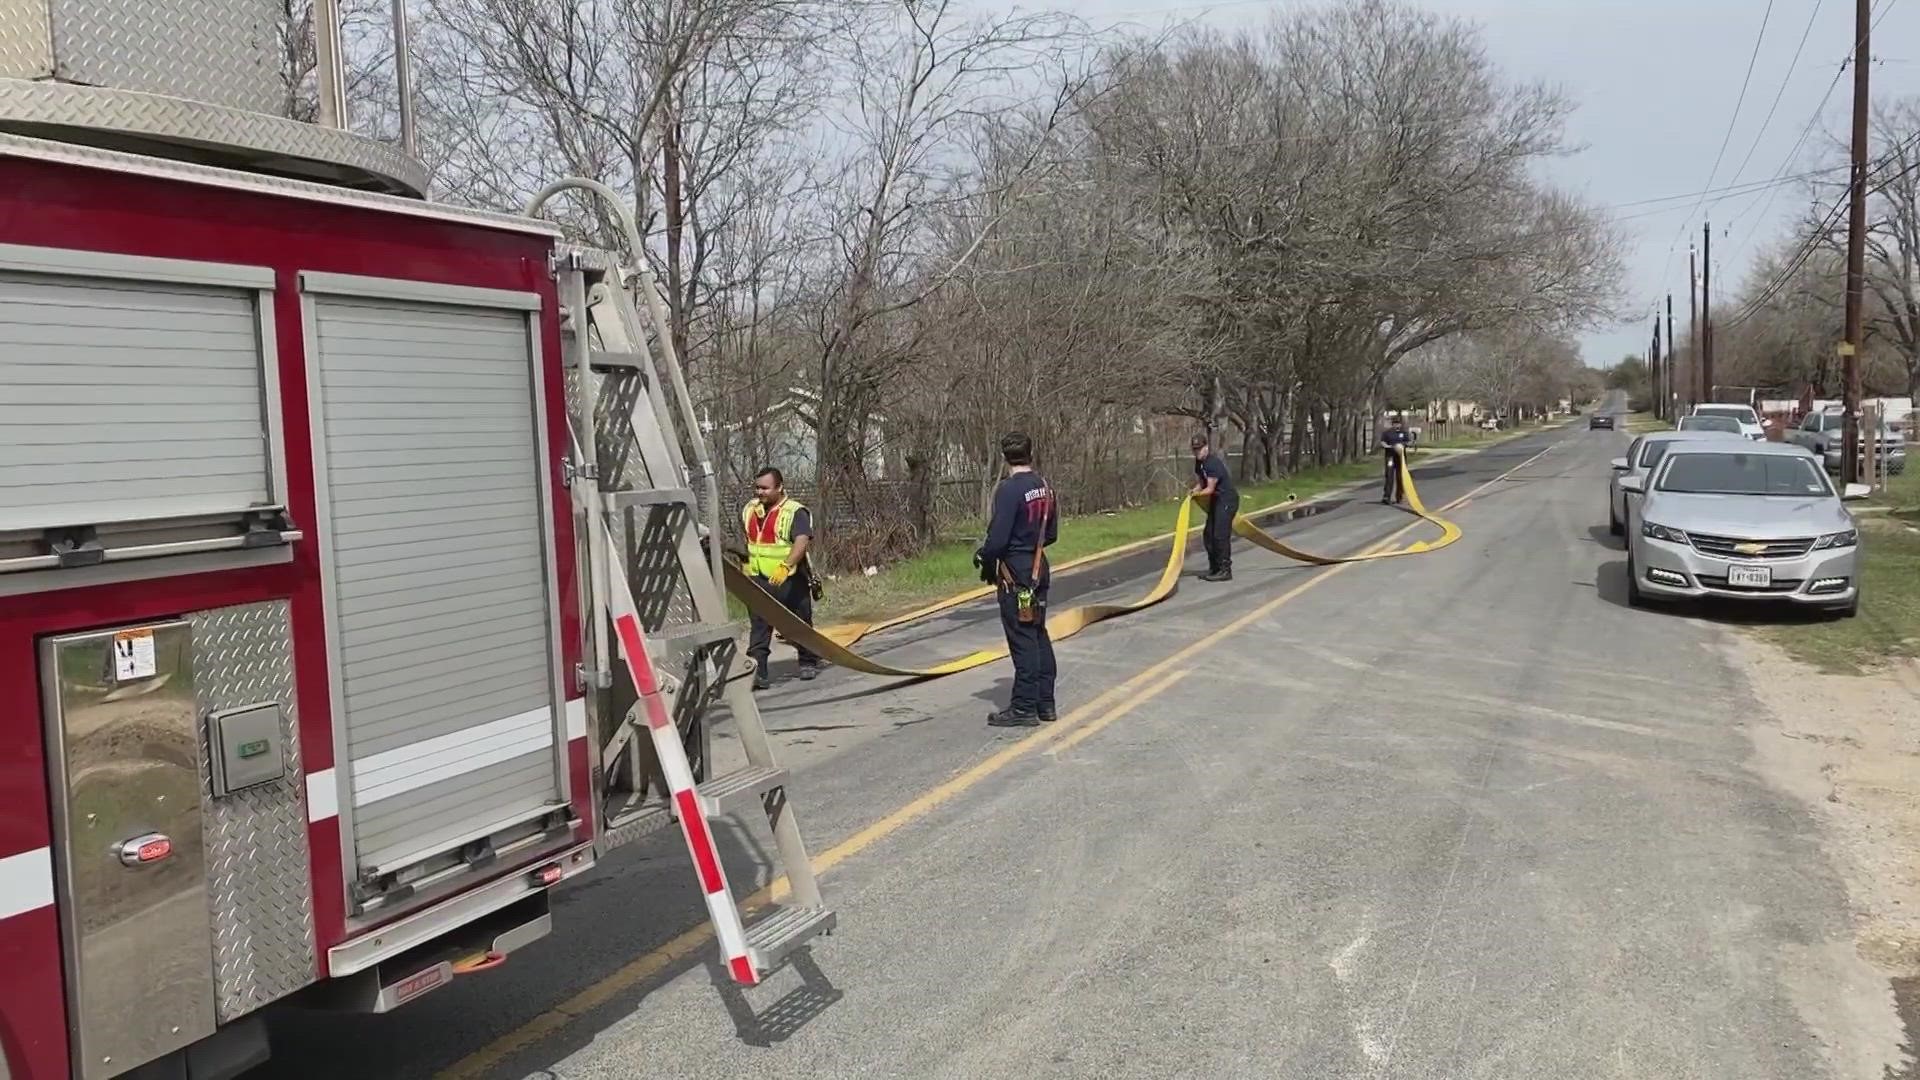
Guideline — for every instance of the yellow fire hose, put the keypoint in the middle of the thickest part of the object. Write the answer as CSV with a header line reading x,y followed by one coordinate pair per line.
x,y
835,648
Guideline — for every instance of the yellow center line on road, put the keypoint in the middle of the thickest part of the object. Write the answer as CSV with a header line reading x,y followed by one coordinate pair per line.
x,y
1070,729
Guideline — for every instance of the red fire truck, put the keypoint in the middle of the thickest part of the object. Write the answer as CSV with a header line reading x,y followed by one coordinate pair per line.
x,y
351,588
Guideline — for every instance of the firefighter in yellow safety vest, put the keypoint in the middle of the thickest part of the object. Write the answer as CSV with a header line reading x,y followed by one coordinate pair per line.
x,y
778,530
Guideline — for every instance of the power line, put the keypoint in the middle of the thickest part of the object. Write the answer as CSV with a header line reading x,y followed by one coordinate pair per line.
x,y
1751,187
1778,94
1798,260
1753,58
1787,162
1807,246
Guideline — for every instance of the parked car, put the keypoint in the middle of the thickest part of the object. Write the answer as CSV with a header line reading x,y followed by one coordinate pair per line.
x,y
1821,432
1600,422
1642,455
1751,425
1724,424
1755,522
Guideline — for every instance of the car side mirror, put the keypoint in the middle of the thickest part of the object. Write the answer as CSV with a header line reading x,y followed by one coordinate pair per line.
x,y
1619,464
1855,491
1633,484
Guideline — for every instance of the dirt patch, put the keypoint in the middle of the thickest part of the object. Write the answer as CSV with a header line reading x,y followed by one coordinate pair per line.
x,y
1849,746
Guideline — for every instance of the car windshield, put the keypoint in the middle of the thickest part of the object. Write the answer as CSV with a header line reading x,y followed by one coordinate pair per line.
x,y
1740,413
1743,474
1710,422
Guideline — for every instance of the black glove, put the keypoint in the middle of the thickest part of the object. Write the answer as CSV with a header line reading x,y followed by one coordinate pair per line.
x,y
981,563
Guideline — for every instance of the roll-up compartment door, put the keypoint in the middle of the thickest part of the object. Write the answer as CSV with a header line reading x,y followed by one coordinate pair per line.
x,y
127,400
440,594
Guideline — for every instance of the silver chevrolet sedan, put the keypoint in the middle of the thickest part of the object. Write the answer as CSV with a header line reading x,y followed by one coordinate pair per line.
x,y
1757,521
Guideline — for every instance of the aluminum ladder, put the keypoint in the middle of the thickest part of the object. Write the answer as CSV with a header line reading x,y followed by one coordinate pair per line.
x,y
664,654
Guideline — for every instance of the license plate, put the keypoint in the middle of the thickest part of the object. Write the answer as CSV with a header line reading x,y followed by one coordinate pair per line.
x,y
1752,577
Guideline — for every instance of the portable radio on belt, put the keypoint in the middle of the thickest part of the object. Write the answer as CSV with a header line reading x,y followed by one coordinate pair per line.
x,y
1023,599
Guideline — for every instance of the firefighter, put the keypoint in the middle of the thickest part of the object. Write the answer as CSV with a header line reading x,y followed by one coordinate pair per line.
x,y
1213,479
1013,558
779,530
1394,442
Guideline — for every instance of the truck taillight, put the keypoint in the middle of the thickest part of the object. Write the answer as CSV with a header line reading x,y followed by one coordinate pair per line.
x,y
549,874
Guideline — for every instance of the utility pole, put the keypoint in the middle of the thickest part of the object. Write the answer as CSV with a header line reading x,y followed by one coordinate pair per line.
x,y
1706,311
1693,324
1653,368
1666,392
1856,248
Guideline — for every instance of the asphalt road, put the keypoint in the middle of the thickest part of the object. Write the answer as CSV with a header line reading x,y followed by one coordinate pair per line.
x,y
1461,814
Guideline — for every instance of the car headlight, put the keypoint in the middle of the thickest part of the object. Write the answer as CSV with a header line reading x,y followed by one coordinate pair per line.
x,y
1849,538
1661,532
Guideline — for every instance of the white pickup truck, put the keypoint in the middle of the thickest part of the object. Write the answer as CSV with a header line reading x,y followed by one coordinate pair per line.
x,y
1751,424
1820,432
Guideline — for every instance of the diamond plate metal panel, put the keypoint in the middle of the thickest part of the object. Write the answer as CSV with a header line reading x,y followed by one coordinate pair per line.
x,y
225,52
26,39
621,464
259,877
215,133
652,544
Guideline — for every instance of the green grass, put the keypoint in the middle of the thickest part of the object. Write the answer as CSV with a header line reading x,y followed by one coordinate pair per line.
x,y
1888,626
1475,438
1642,422
947,568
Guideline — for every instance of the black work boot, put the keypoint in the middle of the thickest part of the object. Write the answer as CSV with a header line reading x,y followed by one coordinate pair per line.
x,y
760,680
1047,713
808,672
1010,717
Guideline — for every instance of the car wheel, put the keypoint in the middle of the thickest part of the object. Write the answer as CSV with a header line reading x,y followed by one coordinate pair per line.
x,y
1635,598
1614,528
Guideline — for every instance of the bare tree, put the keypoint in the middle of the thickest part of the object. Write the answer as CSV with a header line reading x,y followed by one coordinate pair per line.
x,y
909,229
934,82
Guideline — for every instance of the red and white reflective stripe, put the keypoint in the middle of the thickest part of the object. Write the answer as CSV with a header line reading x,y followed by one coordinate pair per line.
x,y
26,882
727,925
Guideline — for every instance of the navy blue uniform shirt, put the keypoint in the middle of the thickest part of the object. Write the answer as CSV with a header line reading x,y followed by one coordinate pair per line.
x,y
1396,437
1023,518
1216,466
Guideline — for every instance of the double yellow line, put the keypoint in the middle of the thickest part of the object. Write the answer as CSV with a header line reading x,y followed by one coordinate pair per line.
x,y
837,648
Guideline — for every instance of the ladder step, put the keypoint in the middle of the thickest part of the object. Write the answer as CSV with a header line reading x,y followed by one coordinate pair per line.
x,y
774,938
624,828
605,360
689,637
738,790
620,500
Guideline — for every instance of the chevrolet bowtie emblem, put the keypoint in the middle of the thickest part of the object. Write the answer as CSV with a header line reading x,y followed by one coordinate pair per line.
x,y
1749,549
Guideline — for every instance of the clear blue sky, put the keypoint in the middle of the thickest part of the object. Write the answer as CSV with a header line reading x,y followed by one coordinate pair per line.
x,y
1657,83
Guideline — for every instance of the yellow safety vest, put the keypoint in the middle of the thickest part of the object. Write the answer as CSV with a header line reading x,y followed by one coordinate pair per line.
x,y
768,543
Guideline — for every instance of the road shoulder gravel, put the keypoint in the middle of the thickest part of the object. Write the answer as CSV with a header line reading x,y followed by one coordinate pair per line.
x,y
1848,747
